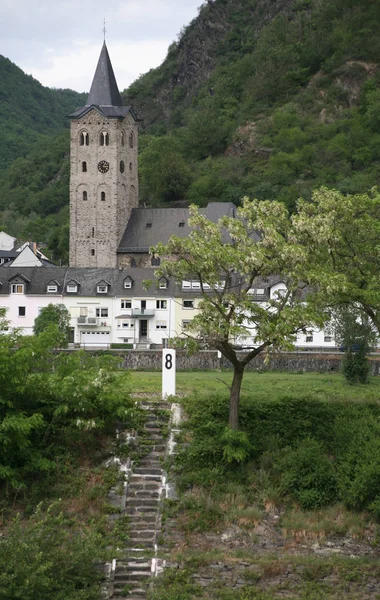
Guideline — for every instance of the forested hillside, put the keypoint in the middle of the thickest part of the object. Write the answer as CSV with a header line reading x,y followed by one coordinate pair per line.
x,y
266,99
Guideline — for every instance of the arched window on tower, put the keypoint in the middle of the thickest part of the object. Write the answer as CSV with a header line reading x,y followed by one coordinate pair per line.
x,y
103,196
93,232
84,166
84,139
104,139
123,138
131,140
84,195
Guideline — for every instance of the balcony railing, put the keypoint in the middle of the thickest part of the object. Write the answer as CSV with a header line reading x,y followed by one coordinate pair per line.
x,y
143,312
94,321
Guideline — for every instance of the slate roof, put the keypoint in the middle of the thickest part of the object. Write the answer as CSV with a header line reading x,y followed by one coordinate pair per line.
x,y
104,94
88,280
148,226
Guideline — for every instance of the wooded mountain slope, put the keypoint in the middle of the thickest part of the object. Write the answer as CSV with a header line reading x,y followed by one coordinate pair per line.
x,y
266,99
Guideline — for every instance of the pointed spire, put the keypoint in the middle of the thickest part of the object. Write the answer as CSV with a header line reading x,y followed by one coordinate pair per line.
x,y
104,90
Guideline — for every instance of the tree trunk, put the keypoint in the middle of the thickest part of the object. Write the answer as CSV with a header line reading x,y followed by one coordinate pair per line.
x,y
233,420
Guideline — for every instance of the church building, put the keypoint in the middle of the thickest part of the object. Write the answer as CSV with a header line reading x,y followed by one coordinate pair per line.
x,y
107,227
103,171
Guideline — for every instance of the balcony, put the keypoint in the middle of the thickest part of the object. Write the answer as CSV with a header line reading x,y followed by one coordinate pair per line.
x,y
93,321
143,312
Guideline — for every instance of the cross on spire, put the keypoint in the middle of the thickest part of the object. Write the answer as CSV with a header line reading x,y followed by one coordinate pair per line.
x,y
104,29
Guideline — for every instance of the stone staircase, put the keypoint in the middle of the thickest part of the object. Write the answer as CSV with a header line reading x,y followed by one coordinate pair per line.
x,y
144,489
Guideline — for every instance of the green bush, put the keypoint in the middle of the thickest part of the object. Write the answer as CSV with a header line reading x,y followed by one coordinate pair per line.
x,y
47,558
309,475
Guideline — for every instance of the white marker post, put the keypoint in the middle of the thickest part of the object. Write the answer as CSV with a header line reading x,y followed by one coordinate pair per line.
x,y
168,373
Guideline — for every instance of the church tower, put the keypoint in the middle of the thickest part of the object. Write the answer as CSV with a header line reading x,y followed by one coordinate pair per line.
x,y
103,171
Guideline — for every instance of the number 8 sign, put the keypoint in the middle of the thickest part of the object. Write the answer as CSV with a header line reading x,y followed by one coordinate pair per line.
x,y
168,373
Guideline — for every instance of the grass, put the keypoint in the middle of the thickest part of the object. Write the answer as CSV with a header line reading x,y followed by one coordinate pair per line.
x,y
270,385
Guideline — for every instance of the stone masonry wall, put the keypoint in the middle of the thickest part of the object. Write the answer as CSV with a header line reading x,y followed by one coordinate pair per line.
x,y
307,362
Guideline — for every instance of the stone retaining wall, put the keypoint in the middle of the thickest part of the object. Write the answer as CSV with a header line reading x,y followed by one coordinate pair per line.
x,y
208,360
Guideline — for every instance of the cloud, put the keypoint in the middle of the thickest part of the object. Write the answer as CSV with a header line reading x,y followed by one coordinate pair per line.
x,y
59,42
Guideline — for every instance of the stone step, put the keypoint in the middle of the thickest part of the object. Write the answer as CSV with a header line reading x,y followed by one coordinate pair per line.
x,y
140,543
147,471
135,518
141,510
144,485
142,502
145,477
131,574
143,494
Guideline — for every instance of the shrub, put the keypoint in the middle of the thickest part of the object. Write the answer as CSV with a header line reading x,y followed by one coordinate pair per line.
x,y
309,475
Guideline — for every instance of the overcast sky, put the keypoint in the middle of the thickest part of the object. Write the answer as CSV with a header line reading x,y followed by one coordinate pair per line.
x,y
59,42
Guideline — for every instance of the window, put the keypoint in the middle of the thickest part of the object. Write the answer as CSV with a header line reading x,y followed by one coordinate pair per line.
x,y
102,289
196,285
22,311
188,304
148,225
127,325
260,291
186,285
84,195
122,138
52,289
122,166
309,336
17,288
143,304
328,334
104,139
161,325
181,224
131,140
92,252
71,288
102,312
185,324
103,196
130,166
84,139
128,284
84,166
155,261
161,304
125,303
163,284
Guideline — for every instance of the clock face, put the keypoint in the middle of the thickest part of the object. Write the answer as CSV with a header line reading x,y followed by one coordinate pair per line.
x,y
103,166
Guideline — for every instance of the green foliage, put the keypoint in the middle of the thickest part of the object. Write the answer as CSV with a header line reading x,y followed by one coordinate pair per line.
x,y
49,559
55,315
164,173
354,333
309,475
314,451
237,446
49,401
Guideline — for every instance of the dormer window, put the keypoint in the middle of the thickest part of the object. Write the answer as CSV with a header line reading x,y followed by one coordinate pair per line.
x,y
162,284
17,288
102,289
52,289
72,288
104,139
128,283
